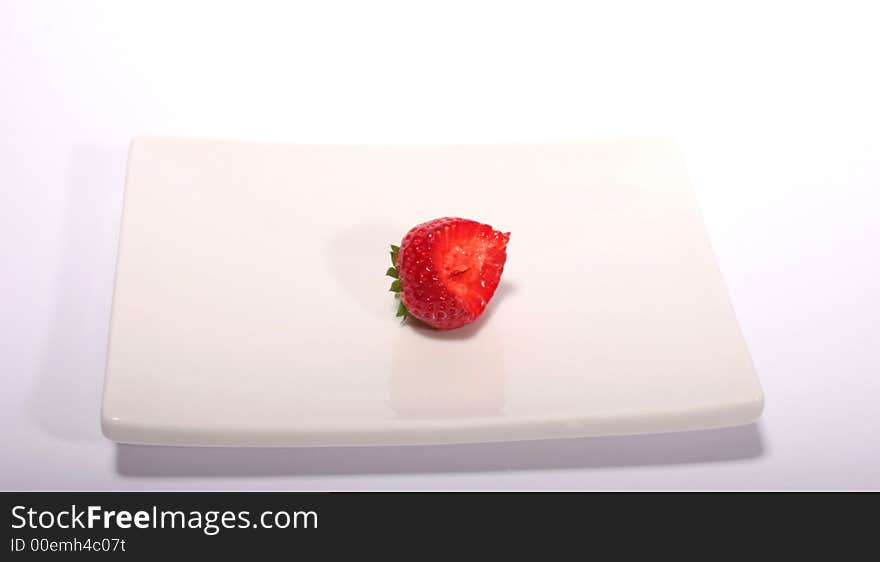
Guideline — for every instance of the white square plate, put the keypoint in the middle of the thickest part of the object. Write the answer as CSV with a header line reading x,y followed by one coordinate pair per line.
x,y
251,306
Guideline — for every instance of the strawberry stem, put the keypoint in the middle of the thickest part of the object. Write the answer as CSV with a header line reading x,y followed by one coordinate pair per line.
x,y
402,311
396,286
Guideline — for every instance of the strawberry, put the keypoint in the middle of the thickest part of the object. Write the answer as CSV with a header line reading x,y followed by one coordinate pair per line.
x,y
446,271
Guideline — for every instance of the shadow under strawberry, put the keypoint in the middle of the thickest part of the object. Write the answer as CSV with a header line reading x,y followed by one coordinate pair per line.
x,y
447,374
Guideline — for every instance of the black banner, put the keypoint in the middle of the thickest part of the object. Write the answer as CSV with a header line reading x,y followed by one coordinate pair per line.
x,y
380,524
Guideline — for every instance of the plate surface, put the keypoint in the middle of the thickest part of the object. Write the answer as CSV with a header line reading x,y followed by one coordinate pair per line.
x,y
251,306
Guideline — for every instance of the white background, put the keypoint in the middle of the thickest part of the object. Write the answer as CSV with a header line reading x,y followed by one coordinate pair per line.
x,y
776,105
